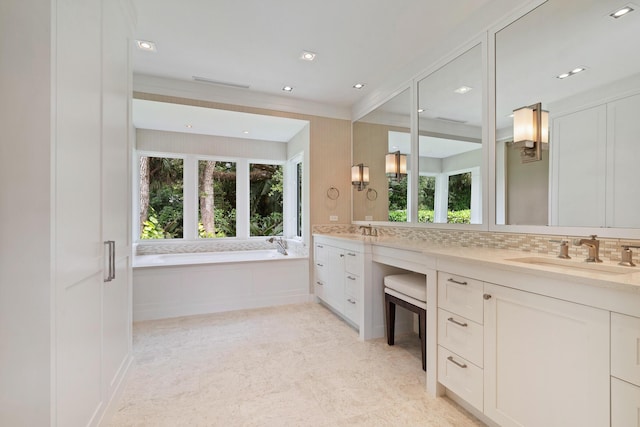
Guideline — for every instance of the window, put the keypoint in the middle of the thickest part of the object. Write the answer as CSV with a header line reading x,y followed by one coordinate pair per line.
x,y
161,198
426,198
459,198
398,198
216,199
265,208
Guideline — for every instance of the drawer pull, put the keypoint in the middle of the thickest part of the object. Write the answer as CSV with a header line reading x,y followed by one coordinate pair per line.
x,y
452,280
452,320
452,360
351,301
351,278
351,254
486,296
319,246
320,283
341,255
320,265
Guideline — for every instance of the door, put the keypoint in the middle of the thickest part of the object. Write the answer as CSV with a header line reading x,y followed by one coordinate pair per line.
x,y
546,361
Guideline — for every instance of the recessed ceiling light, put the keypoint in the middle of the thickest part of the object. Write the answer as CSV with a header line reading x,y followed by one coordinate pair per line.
x,y
146,45
189,126
358,85
621,12
246,132
307,56
463,89
571,73
287,89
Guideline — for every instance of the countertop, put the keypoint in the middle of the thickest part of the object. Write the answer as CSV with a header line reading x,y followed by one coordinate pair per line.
x,y
542,265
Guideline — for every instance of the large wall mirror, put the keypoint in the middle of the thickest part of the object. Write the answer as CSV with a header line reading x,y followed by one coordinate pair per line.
x,y
449,161
383,134
580,61
450,142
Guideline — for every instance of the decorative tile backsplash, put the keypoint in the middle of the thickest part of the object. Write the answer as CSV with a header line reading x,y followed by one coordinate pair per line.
x,y
534,243
155,248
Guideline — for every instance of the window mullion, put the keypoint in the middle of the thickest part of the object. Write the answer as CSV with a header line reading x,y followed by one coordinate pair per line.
x,y
242,199
190,198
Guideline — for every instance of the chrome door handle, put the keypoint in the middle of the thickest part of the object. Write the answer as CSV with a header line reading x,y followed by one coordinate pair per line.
x,y
111,269
452,320
452,360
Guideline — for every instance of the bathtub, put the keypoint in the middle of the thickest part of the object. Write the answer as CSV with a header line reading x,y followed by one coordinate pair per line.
x,y
173,285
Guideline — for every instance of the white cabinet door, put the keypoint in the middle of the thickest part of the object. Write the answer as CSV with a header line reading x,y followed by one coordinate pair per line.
x,y
578,145
546,361
623,152
625,404
334,288
116,191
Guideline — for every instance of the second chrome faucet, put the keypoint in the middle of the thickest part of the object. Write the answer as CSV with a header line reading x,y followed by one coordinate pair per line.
x,y
594,248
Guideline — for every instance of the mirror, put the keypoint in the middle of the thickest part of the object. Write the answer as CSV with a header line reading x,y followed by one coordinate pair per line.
x,y
374,136
450,142
581,63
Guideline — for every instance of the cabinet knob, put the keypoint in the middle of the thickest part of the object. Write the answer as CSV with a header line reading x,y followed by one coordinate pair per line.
x,y
486,296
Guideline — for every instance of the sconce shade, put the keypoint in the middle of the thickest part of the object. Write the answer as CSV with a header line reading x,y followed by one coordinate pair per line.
x,y
396,164
359,176
524,125
531,129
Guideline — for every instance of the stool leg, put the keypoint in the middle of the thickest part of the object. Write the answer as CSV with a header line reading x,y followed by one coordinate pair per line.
x,y
422,320
391,320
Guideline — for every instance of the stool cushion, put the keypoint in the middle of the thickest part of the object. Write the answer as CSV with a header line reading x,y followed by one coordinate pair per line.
x,y
410,284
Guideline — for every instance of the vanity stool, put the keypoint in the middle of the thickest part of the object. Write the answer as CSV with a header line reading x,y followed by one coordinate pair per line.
x,y
409,291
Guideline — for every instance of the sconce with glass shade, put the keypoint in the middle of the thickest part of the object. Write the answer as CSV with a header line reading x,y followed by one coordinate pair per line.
x,y
531,131
360,176
396,165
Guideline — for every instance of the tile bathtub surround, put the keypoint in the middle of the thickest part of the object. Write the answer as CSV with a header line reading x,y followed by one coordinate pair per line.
x,y
178,247
296,365
534,243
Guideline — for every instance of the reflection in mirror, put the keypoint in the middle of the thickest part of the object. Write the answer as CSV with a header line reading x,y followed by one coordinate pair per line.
x,y
383,131
450,142
581,63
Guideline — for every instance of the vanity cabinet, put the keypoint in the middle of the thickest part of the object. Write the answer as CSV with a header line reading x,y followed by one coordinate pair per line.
x,y
625,370
339,277
460,336
546,361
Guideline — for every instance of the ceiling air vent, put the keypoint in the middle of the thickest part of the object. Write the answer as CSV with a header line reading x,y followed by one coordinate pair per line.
x,y
451,120
220,83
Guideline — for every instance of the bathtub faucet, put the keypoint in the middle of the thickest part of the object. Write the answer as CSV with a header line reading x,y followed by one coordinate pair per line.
x,y
281,244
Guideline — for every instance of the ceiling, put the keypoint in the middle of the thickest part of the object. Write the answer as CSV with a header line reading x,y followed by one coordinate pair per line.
x,y
258,43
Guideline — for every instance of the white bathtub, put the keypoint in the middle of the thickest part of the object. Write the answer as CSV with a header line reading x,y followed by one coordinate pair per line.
x,y
172,285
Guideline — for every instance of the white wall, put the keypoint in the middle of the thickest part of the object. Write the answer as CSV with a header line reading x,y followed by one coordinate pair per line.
x,y
25,212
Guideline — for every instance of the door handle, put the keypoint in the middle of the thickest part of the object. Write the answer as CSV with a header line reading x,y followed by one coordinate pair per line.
x,y
111,260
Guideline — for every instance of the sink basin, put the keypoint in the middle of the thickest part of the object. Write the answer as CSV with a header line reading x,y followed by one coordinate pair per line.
x,y
574,265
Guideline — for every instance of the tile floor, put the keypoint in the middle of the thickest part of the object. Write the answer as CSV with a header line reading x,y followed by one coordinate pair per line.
x,y
296,365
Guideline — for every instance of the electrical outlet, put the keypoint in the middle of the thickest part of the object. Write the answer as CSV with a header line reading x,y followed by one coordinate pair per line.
x,y
333,217
368,217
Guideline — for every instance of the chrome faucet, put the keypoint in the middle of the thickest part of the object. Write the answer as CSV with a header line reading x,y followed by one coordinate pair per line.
x,y
281,244
368,230
594,248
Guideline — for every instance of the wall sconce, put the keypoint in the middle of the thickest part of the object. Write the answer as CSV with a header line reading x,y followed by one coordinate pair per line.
x,y
360,176
531,130
395,165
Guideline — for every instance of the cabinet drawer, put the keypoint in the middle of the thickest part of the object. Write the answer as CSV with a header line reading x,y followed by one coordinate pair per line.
x,y
352,285
461,336
351,309
352,262
318,289
625,404
625,347
460,295
320,253
461,377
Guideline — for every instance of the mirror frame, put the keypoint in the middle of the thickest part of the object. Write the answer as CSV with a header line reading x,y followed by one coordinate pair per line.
x,y
412,84
490,125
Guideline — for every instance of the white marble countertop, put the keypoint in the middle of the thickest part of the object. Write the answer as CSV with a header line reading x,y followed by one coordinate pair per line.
x,y
542,265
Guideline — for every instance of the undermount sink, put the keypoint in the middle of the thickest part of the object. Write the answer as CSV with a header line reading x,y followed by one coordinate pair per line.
x,y
574,265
